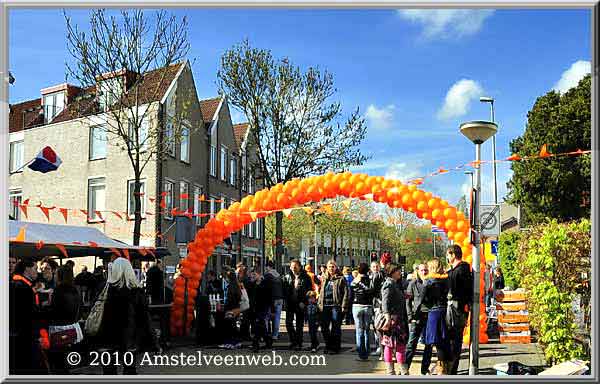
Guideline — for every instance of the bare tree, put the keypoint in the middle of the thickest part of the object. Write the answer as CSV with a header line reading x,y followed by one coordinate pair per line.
x,y
113,61
296,127
399,222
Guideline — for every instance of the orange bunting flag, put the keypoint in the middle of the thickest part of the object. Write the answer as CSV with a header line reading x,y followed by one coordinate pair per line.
x,y
254,215
62,250
442,170
202,198
407,241
84,212
77,242
21,235
99,214
184,196
514,157
117,214
287,212
24,209
152,199
327,209
417,240
544,152
174,212
65,213
126,253
346,203
93,244
46,211
308,210
39,245
418,181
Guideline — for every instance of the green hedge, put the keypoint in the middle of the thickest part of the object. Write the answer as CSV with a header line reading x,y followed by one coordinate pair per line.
x,y
507,249
553,261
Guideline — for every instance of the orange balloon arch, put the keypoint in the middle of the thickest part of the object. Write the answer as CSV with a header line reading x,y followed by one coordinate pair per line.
x,y
298,192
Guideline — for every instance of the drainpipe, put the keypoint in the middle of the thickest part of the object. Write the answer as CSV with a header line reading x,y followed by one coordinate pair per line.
x,y
159,177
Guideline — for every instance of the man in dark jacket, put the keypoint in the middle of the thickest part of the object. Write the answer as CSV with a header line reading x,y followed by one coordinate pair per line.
x,y
377,276
25,321
262,301
296,285
155,283
460,297
333,304
275,281
417,317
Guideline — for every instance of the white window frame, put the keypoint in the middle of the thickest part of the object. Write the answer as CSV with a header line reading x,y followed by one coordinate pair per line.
x,y
244,231
223,162
93,207
257,223
223,202
184,188
56,106
185,144
93,128
130,188
213,206
16,164
233,170
169,198
213,160
15,209
197,204
251,183
244,176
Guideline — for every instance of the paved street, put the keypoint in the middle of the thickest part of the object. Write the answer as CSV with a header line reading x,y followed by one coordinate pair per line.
x,y
344,363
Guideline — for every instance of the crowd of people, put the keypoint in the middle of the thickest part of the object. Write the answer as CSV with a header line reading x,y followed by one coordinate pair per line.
x,y
384,307
48,304
391,313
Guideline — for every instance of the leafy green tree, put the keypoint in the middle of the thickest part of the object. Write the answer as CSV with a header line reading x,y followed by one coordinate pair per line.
x,y
299,129
559,187
508,244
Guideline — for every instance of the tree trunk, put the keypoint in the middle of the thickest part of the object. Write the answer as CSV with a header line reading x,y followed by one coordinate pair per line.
x,y
279,237
137,223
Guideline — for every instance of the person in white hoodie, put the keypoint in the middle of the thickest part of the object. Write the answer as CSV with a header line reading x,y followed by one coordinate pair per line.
x,y
274,280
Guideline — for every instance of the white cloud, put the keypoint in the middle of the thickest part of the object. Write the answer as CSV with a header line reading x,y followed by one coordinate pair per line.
x,y
458,98
380,118
403,172
446,23
570,78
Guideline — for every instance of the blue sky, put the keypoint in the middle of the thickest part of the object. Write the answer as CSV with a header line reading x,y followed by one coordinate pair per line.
x,y
415,74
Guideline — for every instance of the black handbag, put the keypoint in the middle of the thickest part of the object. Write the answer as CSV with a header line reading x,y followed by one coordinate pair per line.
x,y
456,318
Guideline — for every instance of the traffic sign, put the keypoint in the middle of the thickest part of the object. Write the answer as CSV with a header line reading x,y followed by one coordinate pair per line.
x,y
494,244
489,218
435,229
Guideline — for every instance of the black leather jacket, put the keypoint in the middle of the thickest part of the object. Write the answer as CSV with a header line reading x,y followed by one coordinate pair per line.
x,y
362,291
377,280
392,299
294,296
436,293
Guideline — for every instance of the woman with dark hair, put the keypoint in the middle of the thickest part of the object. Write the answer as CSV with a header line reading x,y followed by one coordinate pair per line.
x,y
395,329
231,305
362,310
63,320
436,299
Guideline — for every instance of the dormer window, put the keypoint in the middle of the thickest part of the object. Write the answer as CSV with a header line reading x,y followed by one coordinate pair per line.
x,y
54,103
111,90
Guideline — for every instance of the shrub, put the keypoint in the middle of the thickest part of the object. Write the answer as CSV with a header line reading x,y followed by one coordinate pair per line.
x,y
508,251
555,259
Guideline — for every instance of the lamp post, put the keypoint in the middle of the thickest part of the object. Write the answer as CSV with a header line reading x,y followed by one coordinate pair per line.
x,y
478,132
490,100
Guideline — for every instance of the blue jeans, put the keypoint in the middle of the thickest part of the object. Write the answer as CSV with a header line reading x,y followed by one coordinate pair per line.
x,y
363,317
331,327
313,326
278,305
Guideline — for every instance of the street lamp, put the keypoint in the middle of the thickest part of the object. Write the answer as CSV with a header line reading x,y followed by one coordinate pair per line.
x,y
490,100
478,132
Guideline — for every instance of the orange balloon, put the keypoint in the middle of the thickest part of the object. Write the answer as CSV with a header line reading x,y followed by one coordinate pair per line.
x,y
450,213
461,225
426,215
418,195
467,242
450,235
444,203
433,203
439,223
421,205
406,200
450,224
436,213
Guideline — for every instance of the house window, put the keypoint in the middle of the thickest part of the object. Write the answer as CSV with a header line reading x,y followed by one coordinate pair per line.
x,y
244,230
54,103
110,92
244,176
223,163
251,183
17,156
185,145
142,133
213,160
197,204
213,206
14,198
251,230
96,197
257,223
131,198
168,190
97,142
184,196
233,171
170,138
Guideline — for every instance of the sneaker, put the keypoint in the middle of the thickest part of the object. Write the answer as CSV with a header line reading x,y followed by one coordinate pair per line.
x,y
314,349
376,352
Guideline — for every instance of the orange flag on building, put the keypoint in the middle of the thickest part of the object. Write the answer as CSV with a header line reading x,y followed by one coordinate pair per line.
x,y
544,151
63,250
65,213
21,235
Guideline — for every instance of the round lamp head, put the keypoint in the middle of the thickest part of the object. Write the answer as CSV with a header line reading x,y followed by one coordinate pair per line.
x,y
478,131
